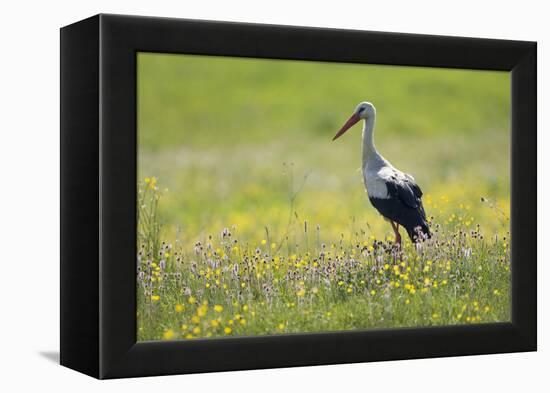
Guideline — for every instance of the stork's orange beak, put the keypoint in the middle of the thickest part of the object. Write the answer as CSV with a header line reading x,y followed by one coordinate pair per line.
x,y
351,121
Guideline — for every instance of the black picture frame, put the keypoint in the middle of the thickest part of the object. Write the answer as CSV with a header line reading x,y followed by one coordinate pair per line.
x,y
98,195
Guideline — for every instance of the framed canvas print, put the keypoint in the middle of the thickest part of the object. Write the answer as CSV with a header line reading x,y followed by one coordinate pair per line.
x,y
239,196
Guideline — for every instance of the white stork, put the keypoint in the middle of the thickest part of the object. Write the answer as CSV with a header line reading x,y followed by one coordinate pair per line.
x,y
393,193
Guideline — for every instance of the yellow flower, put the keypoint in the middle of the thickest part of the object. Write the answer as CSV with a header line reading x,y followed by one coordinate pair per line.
x,y
407,301
214,323
147,180
188,336
166,254
435,315
273,246
195,319
242,321
373,292
340,283
179,307
191,300
264,242
245,308
218,308
196,330
168,334
227,330
281,326
184,327
201,311
301,292
155,298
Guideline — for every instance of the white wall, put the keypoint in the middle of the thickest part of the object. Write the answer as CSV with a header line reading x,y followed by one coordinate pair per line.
x,y
29,184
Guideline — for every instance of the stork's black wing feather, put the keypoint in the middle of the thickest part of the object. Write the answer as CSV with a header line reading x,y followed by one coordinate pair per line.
x,y
407,191
418,193
404,206
415,187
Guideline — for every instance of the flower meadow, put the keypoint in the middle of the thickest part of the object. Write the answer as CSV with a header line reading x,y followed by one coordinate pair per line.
x,y
251,221
223,284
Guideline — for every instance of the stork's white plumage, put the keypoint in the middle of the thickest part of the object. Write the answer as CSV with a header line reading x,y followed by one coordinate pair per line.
x,y
393,193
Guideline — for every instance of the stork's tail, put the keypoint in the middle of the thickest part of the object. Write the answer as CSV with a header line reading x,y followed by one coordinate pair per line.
x,y
419,232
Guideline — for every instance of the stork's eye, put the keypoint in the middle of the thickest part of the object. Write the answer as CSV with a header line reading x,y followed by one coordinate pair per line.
x,y
361,109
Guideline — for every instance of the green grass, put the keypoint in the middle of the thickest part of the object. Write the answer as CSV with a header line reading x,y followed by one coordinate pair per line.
x,y
246,144
224,285
183,100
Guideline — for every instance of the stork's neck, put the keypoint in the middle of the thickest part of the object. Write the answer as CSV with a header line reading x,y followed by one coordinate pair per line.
x,y
369,150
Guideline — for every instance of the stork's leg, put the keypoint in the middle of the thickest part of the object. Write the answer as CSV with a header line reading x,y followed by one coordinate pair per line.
x,y
395,227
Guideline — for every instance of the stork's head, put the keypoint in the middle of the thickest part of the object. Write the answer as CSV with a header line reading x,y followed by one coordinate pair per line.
x,y
364,110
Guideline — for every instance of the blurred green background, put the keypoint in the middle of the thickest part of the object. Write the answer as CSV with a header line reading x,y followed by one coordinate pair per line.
x,y
233,140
